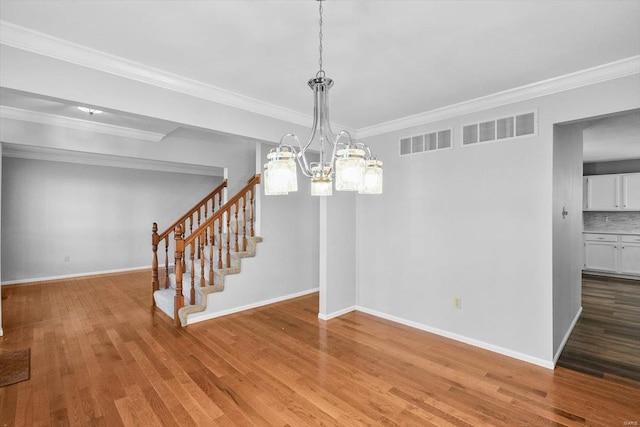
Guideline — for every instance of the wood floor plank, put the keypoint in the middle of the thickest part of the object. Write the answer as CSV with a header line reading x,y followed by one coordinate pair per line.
x,y
101,357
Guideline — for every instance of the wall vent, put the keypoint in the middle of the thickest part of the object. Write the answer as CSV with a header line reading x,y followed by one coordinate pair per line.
x,y
501,128
433,141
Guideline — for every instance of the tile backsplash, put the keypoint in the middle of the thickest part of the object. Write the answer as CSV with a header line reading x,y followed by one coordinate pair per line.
x,y
612,221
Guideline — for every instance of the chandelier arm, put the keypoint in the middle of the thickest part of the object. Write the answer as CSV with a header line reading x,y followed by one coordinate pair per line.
x,y
366,148
299,154
316,114
344,133
304,166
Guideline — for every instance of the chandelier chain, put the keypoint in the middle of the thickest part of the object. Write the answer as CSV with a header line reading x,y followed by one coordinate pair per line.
x,y
321,71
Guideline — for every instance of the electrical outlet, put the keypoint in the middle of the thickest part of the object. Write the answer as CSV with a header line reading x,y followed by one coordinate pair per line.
x,y
67,258
457,303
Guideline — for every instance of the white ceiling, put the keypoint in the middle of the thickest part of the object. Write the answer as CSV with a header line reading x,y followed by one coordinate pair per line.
x,y
389,59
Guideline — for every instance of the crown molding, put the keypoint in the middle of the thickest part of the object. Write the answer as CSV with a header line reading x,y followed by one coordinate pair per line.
x,y
589,76
43,44
77,124
97,159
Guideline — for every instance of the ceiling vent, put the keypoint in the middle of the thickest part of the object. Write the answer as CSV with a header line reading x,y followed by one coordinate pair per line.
x,y
498,129
433,141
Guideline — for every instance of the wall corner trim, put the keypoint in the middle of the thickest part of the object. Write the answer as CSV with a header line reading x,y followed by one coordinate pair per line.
x,y
338,313
196,319
461,338
566,336
70,276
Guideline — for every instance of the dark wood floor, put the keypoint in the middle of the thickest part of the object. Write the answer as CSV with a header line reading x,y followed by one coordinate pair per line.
x,y
101,357
606,339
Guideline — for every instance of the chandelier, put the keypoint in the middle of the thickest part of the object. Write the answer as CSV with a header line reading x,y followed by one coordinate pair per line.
x,y
350,164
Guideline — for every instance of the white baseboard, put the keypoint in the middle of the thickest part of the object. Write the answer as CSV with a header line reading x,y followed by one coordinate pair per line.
x,y
69,276
549,364
336,313
566,337
191,319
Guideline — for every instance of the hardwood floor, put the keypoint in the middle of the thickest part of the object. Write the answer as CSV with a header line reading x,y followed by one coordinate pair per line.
x,y
101,357
606,339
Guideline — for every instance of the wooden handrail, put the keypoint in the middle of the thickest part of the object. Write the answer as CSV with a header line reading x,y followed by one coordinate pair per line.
x,y
226,207
191,211
206,234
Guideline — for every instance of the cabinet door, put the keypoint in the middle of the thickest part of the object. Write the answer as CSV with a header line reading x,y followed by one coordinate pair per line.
x,y
630,258
603,192
600,256
631,191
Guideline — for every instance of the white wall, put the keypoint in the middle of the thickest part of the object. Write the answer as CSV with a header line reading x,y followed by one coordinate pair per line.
x,y
567,231
476,223
100,217
337,230
286,263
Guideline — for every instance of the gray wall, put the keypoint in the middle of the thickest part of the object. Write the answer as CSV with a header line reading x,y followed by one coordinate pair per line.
x,y
474,222
604,168
99,217
1,333
567,231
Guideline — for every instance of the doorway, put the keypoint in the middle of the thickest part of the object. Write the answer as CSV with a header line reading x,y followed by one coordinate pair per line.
x,y
595,145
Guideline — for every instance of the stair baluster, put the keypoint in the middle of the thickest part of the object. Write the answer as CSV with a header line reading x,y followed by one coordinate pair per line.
x,y
155,285
211,243
192,290
228,230
178,300
251,212
201,241
166,262
219,242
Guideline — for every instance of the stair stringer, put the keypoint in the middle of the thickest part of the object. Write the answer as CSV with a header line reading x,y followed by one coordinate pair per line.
x,y
219,275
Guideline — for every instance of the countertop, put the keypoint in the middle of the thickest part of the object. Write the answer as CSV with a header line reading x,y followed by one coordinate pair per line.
x,y
628,233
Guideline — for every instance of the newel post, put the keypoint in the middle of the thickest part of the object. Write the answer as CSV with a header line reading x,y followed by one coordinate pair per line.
x,y
178,300
155,285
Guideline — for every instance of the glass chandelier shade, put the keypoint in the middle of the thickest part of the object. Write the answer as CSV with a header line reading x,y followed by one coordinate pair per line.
x,y
321,180
268,190
350,166
372,183
281,171
340,159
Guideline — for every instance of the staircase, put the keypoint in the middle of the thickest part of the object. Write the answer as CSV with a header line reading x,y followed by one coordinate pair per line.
x,y
223,235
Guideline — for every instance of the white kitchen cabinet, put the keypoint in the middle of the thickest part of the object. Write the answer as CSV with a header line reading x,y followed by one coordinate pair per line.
x,y
630,254
603,192
630,188
611,192
612,253
600,252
